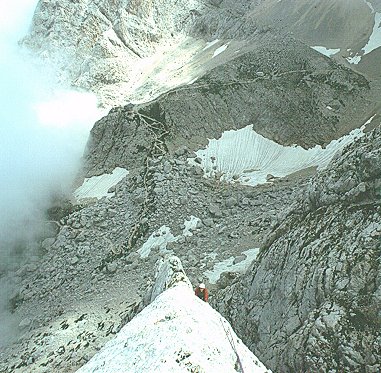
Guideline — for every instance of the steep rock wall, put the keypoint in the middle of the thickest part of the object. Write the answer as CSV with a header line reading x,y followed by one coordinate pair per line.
x,y
312,301
97,42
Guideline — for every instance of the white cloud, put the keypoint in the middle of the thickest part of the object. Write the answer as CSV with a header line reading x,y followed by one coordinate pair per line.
x,y
15,17
43,130
67,109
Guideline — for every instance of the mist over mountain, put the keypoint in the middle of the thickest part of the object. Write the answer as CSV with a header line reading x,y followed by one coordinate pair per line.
x,y
42,135
43,132
241,136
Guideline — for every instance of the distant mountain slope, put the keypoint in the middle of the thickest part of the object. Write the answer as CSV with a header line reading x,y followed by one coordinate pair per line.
x,y
192,70
94,44
138,51
343,24
325,22
292,95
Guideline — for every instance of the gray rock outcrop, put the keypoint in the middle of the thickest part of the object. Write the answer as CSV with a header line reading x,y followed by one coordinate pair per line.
x,y
98,43
273,77
166,336
312,301
288,105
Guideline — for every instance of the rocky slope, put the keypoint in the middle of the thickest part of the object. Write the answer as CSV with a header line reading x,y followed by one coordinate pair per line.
x,y
92,276
312,300
194,70
137,51
105,40
210,63
347,21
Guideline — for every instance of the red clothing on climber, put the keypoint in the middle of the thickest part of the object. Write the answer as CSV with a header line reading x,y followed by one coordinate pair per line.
x,y
202,292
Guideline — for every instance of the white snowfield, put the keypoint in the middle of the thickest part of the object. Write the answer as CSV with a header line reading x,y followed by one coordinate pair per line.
x,y
209,44
176,333
375,38
326,51
158,239
98,186
220,50
369,5
247,157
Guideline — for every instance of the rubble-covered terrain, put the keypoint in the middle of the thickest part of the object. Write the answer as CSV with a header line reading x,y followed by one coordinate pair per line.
x,y
92,278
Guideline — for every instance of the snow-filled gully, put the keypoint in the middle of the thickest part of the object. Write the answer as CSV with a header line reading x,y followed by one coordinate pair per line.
x,y
247,157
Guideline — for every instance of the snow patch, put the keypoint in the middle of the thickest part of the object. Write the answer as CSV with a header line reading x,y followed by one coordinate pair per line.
x,y
98,186
373,43
192,81
247,157
326,51
158,239
167,337
220,50
354,60
375,39
229,266
369,5
211,43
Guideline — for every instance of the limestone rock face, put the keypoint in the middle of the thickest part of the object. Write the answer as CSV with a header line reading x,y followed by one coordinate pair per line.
x,y
174,74
314,293
136,50
166,336
170,272
100,45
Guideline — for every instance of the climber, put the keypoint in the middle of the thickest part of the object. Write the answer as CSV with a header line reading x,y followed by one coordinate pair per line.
x,y
202,292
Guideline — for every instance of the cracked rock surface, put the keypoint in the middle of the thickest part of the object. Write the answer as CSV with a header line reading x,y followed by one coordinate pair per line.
x,y
312,300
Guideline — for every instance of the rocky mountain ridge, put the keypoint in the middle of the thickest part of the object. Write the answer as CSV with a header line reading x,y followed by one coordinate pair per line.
x,y
92,278
141,50
166,336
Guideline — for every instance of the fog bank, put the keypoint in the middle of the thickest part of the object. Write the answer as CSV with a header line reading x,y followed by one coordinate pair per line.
x,y
43,131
